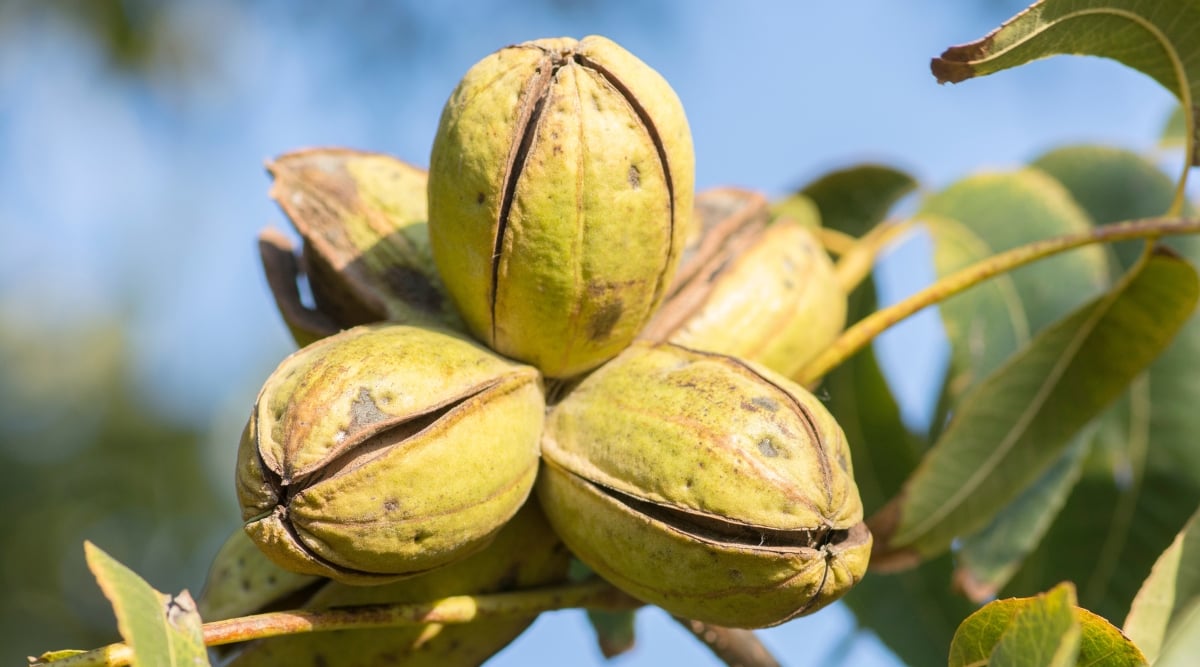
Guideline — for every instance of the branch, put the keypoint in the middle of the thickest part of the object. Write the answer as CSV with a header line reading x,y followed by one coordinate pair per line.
x,y
737,648
594,594
864,331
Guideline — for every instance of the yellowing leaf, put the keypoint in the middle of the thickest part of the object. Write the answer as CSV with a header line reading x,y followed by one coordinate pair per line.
x,y
1046,630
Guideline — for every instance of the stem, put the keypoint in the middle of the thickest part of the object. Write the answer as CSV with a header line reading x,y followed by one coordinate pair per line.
x,y
736,648
837,243
594,594
865,330
856,263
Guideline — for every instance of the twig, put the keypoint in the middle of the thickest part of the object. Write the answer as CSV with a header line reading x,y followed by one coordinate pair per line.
x,y
864,331
736,648
593,594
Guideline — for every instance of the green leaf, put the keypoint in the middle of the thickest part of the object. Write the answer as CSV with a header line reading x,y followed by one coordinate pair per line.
x,y
1153,37
1141,480
1172,588
990,213
1183,645
1112,185
1044,630
1013,426
988,559
160,630
853,200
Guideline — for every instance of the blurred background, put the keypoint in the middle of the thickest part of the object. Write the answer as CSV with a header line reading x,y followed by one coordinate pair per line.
x,y
135,324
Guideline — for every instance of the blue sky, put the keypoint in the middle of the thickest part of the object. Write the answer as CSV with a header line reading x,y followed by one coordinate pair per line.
x,y
138,200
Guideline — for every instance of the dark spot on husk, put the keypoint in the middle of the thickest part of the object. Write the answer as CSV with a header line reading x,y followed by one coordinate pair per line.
x,y
766,403
767,448
390,505
480,198
601,323
635,177
414,288
364,411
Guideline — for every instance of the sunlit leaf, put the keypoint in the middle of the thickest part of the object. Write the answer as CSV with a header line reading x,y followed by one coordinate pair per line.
x,y
1154,37
1044,630
1172,588
1013,425
989,213
1141,481
160,629
1183,644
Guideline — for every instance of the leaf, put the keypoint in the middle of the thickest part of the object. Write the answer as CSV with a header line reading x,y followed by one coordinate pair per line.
x,y
1141,481
1112,185
1156,38
1045,632
988,559
989,213
1183,645
855,199
989,323
160,630
1048,629
1172,588
1012,427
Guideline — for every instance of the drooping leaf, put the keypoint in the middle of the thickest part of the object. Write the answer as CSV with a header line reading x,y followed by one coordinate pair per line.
x,y
1141,480
1156,38
972,220
1048,629
987,560
1016,423
1172,588
160,630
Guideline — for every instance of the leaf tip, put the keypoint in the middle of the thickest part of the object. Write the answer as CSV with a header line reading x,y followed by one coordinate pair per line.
x,y
949,71
972,587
